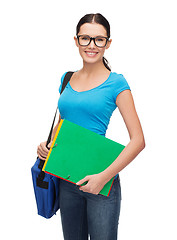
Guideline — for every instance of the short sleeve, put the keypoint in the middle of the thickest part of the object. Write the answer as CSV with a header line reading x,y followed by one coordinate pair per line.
x,y
120,85
62,78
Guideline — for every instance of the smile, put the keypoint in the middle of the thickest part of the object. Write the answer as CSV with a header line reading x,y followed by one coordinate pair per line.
x,y
91,54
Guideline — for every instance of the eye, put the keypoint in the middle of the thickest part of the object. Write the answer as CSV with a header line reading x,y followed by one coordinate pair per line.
x,y
100,39
85,38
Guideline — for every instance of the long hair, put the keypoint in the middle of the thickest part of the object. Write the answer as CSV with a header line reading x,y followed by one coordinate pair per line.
x,y
100,19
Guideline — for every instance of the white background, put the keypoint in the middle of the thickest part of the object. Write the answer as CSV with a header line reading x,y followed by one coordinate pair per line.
x,y
36,48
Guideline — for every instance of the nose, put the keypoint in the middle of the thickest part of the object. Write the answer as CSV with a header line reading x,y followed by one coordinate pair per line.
x,y
92,44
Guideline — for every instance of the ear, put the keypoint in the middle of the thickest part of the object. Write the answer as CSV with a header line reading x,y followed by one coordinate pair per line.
x,y
108,43
76,41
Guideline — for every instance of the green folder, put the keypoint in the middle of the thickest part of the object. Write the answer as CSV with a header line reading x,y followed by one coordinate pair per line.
x,y
77,152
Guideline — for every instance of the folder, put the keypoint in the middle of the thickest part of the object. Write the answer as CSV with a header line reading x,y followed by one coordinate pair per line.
x,y
77,152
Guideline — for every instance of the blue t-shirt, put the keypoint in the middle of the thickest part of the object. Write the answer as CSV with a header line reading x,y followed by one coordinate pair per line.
x,y
92,109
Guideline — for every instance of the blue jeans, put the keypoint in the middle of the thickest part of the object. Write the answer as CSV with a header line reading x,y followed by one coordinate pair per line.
x,y
85,214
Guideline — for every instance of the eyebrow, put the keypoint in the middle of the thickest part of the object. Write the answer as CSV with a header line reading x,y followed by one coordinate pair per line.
x,y
91,36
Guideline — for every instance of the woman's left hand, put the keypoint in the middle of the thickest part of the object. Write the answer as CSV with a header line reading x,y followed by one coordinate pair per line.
x,y
94,185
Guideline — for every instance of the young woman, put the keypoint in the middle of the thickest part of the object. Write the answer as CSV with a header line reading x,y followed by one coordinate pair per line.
x,y
89,99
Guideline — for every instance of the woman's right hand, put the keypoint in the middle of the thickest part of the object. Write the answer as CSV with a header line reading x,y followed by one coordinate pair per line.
x,y
42,151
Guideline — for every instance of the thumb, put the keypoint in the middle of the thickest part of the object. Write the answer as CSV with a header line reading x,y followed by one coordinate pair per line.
x,y
82,180
49,145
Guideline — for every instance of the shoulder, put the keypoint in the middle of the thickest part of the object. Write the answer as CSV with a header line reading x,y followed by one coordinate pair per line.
x,y
70,73
63,76
119,84
117,77
61,81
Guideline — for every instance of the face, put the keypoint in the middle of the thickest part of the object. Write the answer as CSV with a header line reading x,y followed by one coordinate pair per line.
x,y
92,53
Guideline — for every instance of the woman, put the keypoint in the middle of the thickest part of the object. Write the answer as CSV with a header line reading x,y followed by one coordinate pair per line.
x,y
89,99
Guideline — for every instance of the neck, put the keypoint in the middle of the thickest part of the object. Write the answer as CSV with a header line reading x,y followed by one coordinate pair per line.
x,y
92,69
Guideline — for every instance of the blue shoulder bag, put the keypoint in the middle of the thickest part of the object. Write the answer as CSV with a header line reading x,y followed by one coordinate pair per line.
x,y
46,186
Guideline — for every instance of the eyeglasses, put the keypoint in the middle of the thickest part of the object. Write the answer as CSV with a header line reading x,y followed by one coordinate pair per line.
x,y
85,40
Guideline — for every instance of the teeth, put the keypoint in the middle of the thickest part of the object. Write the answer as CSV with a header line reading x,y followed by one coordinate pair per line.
x,y
91,53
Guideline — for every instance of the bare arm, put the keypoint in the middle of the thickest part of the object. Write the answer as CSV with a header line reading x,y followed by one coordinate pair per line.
x,y
127,109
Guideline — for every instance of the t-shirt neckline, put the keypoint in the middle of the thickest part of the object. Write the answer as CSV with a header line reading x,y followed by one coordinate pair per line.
x,y
91,88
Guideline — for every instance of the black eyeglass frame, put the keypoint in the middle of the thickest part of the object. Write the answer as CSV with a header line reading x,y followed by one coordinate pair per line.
x,y
92,38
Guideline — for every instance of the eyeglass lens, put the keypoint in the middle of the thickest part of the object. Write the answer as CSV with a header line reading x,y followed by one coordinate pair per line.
x,y
99,41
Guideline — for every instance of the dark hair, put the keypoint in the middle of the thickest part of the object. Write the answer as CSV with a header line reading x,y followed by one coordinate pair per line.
x,y
100,19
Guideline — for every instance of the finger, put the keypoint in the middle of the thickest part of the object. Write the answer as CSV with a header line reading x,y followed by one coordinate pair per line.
x,y
84,188
44,149
43,155
49,145
42,158
41,151
82,181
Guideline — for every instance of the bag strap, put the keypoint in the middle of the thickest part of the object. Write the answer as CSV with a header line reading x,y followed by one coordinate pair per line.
x,y
65,81
40,179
